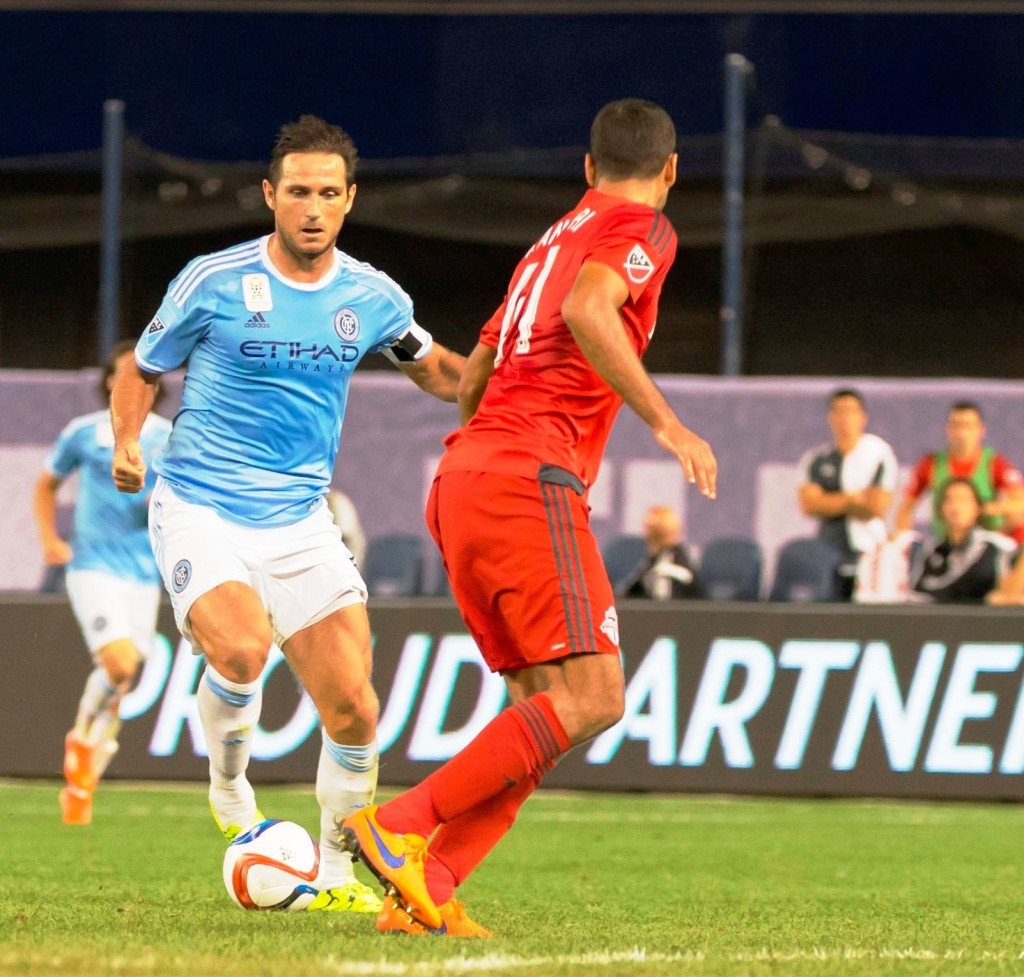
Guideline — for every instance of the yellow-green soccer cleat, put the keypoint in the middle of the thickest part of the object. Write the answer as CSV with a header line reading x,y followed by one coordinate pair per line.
x,y
353,897
232,831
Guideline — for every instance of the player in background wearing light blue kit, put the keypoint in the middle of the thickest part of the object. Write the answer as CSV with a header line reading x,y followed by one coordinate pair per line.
x,y
112,581
271,331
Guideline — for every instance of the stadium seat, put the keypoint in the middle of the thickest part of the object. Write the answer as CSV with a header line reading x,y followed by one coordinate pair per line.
x,y
806,571
623,557
393,566
439,585
53,581
730,569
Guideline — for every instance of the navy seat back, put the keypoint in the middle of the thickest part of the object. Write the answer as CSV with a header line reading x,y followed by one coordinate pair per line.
x,y
730,569
393,566
806,571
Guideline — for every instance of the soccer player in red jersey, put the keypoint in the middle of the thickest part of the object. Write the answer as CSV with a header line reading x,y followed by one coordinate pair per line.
x,y
508,509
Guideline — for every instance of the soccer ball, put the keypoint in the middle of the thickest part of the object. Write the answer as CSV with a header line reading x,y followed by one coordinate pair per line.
x,y
273,865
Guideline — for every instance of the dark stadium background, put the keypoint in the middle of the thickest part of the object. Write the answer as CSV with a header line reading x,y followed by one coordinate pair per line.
x,y
500,105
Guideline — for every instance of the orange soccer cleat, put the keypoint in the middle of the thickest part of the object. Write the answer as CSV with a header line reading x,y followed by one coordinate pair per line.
x,y
455,921
76,805
397,861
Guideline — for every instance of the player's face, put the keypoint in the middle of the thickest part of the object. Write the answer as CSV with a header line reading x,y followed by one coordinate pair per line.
x,y
965,431
847,418
959,508
309,203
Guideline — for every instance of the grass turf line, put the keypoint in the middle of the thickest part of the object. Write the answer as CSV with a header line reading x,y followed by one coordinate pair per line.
x,y
585,884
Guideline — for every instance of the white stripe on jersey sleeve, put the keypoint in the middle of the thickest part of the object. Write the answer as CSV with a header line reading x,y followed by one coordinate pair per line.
x,y
222,261
388,286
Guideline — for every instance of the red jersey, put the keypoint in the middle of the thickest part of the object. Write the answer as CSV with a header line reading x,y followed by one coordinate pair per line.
x,y
1004,473
545,403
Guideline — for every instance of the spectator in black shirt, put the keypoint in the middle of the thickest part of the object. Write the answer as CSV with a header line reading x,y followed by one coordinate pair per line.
x,y
966,564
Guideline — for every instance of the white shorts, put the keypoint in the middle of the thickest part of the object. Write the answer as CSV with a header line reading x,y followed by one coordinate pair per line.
x,y
110,608
302,572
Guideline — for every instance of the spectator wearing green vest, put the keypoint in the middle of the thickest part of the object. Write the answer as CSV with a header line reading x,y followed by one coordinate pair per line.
x,y
999,483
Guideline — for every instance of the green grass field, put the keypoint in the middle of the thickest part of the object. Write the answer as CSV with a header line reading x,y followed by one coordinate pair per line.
x,y
585,884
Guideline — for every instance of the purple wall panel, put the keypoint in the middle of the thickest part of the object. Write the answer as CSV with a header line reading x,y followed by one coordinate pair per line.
x,y
758,427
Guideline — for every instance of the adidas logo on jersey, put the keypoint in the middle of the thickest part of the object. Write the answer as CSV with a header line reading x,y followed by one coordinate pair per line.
x,y
638,266
257,322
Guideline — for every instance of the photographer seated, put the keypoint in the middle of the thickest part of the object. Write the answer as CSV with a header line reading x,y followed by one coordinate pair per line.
x,y
965,563
668,572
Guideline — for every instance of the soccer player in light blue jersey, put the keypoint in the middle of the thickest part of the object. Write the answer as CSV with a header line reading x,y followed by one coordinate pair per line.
x,y
112,580
271,331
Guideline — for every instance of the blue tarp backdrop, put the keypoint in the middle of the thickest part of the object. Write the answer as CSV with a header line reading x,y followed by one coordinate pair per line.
x,y
217,86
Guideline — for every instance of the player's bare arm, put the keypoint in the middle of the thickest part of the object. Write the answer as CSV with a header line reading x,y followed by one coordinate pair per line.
x,y
591,311
56,551
1009,505
877,501
1010,590
905,515
131,400
437,373
815,501
478,370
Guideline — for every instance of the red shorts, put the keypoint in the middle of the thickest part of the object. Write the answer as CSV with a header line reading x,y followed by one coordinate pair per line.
x,y
524,566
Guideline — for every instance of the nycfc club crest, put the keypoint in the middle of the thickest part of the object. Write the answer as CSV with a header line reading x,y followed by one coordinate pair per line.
x,y
346,324
181,575
638,266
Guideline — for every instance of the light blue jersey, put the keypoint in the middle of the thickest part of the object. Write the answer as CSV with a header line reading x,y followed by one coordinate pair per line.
x,y
269,363
110,531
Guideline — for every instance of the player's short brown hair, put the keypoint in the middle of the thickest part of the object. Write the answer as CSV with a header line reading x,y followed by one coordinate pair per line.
x,y
631,139
110,367
311,134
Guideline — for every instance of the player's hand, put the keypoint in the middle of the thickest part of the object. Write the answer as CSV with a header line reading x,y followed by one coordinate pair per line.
x,y
129,470
694,454
56,552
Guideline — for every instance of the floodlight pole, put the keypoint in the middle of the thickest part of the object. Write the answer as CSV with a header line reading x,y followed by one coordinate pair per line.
x,y
737,70
110,240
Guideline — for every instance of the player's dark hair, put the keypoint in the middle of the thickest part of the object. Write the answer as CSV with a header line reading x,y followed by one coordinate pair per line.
x,y
959,480
967,405
110,368
631,139
311,134
846,392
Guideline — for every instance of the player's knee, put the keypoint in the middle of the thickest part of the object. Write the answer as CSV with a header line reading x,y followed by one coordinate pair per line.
x,y
243,660
120,662
352,718
120,671
606,710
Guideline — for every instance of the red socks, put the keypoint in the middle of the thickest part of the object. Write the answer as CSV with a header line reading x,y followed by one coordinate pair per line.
x,y
464,842
513,750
